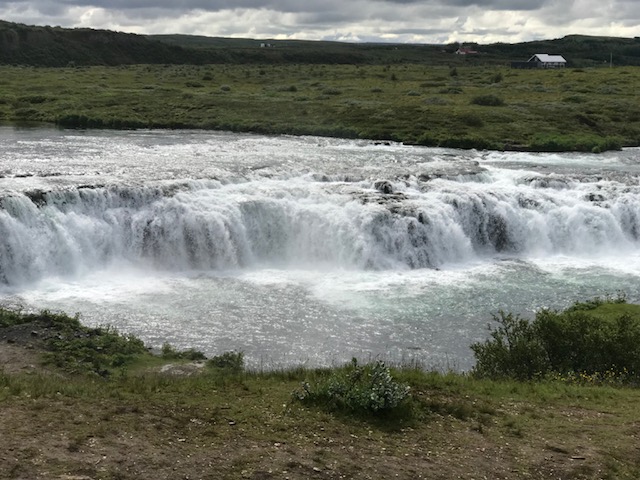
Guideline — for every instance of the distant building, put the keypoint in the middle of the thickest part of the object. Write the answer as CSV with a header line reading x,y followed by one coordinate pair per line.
x,y
542,60
466,51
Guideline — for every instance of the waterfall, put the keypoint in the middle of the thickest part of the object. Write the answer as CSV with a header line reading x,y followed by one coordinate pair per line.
x,y
408,224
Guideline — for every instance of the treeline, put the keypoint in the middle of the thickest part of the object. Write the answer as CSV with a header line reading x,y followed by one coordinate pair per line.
x,y
60,47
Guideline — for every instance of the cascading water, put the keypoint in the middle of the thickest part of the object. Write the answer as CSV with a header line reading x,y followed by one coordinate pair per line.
x,y
209,226
333,248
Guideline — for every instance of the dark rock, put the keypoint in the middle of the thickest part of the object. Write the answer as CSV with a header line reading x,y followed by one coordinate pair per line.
x,y
383,186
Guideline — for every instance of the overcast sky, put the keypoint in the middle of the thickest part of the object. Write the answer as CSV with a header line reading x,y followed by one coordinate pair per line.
x,y
414,21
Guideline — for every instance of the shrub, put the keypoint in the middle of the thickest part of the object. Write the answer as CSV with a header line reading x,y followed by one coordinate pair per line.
x,y
580,143
562,343
170,353
471,120
437,101
357,389
229,361
291,88
496,78
466,142
451,90
514,350
574,99
487,101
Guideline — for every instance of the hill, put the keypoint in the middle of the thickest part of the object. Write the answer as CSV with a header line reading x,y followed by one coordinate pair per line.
x,y
58,47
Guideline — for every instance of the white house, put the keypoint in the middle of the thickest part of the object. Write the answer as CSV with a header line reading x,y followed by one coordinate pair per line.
x,y
544,60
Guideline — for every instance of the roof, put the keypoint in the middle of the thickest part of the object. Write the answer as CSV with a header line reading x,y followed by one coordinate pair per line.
x,y
545,58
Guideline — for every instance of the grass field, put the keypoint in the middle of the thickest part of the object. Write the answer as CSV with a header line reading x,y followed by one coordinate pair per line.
x,y
96,414
466,107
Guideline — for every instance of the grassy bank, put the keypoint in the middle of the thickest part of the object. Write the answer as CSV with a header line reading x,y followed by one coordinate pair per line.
x,y
90,403
464,107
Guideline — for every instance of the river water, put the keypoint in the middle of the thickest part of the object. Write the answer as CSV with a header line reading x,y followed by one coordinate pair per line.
x,y
308,250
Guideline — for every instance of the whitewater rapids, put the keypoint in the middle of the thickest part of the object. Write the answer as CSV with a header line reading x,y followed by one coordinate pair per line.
x,y
308,250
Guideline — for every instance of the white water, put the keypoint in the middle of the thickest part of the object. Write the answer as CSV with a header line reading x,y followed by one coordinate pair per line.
x,y
306,249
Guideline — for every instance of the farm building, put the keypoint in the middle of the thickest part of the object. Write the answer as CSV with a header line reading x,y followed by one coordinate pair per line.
x,y
466,51
542,60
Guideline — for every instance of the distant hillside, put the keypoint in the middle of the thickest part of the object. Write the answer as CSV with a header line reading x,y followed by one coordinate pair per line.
x,y
57,47
579,50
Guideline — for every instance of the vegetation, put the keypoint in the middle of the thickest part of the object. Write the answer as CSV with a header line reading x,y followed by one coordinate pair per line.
x,y
358,421
140,423
368,389
588,341
588,110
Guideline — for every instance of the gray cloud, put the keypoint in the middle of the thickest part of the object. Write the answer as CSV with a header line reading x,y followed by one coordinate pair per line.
x,y
427,21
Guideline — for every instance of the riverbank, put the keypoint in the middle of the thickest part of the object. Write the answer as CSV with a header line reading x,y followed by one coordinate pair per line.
x,y
478,107
108,412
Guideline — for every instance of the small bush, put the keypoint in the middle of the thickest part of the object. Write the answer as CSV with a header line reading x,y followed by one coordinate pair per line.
x,y
452,90
496,78
487,101
291,88
466,142
437,101
471,120
357,389
577,143
229,361
574,99
170,353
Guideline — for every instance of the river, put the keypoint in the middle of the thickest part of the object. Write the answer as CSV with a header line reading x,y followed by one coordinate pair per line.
x,y
307,250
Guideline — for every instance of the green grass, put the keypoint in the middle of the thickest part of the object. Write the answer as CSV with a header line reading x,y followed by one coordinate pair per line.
x,y
586,110
146,425
226,422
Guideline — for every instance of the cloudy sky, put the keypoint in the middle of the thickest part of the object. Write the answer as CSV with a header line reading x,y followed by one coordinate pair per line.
x,y
415,21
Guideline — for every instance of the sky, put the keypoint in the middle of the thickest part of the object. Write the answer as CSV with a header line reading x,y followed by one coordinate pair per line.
x,y
397,21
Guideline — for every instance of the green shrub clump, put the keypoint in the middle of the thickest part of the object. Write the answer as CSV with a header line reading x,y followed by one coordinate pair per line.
x,y
168,352
580,143
228,361
357,389
487,101
578,341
